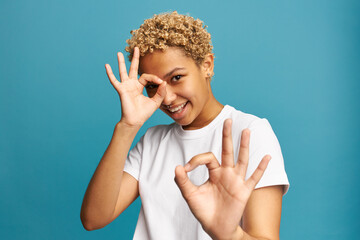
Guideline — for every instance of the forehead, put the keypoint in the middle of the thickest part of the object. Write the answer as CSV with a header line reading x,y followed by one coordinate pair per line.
x,y
160,62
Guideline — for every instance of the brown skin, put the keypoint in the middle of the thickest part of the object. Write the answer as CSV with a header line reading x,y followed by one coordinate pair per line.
x,y
189,82
220,202
111,190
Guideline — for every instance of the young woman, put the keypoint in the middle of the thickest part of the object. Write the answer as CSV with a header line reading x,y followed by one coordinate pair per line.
x,y
196,177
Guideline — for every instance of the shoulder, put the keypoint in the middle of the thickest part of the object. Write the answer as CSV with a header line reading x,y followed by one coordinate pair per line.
x,y
158,132
260,128
242,120
263,141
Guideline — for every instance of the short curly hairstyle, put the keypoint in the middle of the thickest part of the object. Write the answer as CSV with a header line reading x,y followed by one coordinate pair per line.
x,y
171,30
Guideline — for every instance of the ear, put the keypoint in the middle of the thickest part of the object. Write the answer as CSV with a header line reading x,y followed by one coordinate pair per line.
x,y
207,66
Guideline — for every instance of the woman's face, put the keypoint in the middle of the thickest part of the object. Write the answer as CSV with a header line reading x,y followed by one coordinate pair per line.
x,y
188,89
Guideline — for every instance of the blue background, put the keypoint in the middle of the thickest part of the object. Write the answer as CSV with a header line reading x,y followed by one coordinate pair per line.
x,y
294,62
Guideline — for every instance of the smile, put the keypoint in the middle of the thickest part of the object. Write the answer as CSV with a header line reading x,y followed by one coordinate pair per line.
x,y
178,108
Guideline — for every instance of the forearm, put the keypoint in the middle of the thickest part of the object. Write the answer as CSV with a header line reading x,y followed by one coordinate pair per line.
x,y
103,190
240,234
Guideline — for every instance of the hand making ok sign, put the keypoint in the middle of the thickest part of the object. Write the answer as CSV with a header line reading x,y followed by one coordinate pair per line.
x,y
135,107
219,203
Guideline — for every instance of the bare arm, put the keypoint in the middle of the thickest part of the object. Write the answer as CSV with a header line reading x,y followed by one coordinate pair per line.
x,y
220,202
110,190
102,199
262,215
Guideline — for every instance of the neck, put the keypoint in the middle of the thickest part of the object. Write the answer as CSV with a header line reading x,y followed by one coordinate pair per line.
x,y
210,111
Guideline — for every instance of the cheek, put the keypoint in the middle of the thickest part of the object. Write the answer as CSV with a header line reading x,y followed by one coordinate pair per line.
x,y
188,91
201,89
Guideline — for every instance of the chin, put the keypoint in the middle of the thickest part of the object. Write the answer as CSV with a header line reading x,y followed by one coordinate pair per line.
x,y
184,123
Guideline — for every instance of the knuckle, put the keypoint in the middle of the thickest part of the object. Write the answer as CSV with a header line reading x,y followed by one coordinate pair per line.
x,y
212,155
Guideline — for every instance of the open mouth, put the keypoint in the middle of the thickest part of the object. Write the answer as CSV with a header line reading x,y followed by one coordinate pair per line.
x,y
178,108
178,112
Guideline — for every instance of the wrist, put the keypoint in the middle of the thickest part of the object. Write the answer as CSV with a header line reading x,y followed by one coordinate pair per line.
x,y
238,234
124,124
126,129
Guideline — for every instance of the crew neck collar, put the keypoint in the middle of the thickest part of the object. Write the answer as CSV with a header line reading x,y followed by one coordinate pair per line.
x,y
197,133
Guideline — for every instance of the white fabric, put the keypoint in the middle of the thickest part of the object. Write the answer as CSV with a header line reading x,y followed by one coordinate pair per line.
x,y
164,213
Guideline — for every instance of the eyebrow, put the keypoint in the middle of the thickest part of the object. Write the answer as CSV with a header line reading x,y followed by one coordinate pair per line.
x,y
172,71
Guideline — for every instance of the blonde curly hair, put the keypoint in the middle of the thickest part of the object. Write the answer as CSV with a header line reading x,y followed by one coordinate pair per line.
x,y
171,30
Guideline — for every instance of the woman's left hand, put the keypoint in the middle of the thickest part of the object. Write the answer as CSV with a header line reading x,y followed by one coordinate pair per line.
x,y
219,203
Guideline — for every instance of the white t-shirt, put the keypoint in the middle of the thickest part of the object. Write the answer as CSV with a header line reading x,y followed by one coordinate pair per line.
x,y
164,213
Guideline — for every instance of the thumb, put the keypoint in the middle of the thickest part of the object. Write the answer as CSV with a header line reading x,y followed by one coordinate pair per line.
x,y
183,182
160,93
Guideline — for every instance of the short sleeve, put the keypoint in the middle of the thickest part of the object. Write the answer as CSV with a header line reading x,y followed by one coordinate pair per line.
x,y
263,141
133,160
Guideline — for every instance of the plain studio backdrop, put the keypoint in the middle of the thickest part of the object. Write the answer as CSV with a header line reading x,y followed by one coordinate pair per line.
x,y
295,63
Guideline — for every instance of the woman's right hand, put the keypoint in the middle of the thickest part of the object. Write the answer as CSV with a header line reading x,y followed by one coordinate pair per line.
x,y
135,107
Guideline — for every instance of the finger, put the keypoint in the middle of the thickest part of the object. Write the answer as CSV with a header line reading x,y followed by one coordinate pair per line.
x,y
111,76
122,67
243,158
133,72
208,159
227,155
258,173
160,94
183,182
149,78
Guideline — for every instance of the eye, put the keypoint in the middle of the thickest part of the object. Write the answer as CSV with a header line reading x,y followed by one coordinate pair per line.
x,y
150,86
176,78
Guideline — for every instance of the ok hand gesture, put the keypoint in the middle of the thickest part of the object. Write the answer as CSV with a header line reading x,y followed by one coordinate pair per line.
x,y
135,107
219,203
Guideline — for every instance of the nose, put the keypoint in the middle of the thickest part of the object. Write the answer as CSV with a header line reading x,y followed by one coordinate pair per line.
x,y
170,95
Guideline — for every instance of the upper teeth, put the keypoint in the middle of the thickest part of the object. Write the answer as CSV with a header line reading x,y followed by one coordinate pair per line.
x,y
177,108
